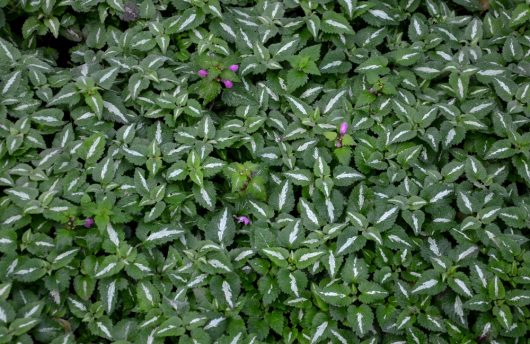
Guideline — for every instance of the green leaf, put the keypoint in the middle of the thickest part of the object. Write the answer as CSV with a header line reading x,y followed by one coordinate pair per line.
x,y
221,228
92,148
332,22
277,255
360,319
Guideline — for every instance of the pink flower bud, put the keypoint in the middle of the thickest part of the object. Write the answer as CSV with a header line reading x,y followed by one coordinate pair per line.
x,y
234,68
343,128
203,73
243,219
228,83
89,222
338,144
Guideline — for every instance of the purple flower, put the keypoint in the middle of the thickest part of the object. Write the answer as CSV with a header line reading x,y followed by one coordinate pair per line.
x,y
228,83
89,222
243,219
203,73
131,11
338,144
343,128
234,68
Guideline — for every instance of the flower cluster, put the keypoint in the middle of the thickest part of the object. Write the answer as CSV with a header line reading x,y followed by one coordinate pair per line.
x,y
203,73
265,171
343,129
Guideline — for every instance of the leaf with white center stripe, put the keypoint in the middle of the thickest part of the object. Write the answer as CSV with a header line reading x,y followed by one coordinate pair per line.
x,y
92,148
429,71
292,282
518,297
305,257
407,57
376,64
172,327
48,117
30,270
106,77
514,216
360,319
371,292
104,170
108,290
137,84
522,165
397,238
95,103
336,294
260,209
77,307
205,195
332,101
211,166
206,128
300,177
22,325
332,263
282,197
346,175
163,235
7,313
349,242
221,228
520,14
503,315
440,193
228,294
277,255
309,215
459,84
335,62
285,49
147,295
177,171
319,332
417,27
292,234
385,216
427,285
335,23
154,212
414,219
474,169
432,322
349,6
466,202
409,156
474,30
21,194
67,95
299,107
109,266
500,149
62,259
512,50
8,240
505,88
8,52
379,16
459,282
11,82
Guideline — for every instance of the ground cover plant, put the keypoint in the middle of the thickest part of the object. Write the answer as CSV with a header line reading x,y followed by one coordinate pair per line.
x,y
237,171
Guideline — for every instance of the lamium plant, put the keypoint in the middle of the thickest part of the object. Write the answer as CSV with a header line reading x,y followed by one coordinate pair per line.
x,y
221,171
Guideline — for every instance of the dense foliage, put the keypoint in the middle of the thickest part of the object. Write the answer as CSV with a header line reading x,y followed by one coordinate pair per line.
x,y
239,171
